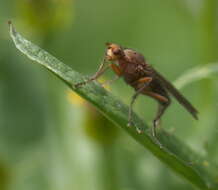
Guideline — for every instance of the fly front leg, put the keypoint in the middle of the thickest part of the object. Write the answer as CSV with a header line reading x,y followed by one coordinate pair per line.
x,y
145,81
117,71
102,68
110,81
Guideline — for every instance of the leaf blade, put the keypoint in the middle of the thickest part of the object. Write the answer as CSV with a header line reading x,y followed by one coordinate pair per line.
x,y
175,154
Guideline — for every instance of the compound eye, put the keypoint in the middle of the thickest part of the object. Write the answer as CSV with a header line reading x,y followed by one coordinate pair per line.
x,y
116,51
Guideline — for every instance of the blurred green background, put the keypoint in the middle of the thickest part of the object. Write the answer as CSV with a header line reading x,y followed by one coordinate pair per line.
x,y
50,139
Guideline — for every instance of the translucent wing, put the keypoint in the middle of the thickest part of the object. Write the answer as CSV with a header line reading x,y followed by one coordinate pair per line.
x,y
172,90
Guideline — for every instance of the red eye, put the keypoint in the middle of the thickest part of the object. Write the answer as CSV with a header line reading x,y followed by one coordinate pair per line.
x,y
117,51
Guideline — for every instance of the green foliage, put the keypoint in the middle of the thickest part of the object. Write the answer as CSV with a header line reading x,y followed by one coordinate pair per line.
x,y
49,141
196,74
174,153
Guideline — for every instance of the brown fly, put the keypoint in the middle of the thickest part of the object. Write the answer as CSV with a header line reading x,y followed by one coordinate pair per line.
x,y
137,73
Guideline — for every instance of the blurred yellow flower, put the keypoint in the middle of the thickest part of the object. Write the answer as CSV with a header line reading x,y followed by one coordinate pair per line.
x,y
45,16
96,126
74,98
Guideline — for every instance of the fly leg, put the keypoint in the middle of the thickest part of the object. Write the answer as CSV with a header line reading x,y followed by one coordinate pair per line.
x,y
162,106
145,81
102,68
117,71
163,103
110,81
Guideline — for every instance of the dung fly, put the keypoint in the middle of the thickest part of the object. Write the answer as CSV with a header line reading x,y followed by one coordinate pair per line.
x,y
136,72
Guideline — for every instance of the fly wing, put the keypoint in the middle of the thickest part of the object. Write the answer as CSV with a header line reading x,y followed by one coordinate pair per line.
x,y
172,90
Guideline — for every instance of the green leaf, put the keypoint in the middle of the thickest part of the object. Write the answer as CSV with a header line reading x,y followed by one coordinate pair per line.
x,y
196,74
174,153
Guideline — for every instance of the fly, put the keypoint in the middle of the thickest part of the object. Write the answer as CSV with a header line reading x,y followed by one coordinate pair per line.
x,y
136,72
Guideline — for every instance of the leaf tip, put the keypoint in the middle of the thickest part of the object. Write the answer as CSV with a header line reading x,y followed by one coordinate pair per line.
x,y
11,28
9,23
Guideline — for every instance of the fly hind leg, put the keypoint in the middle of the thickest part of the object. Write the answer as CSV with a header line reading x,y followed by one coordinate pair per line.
x,y
163,102
162,106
